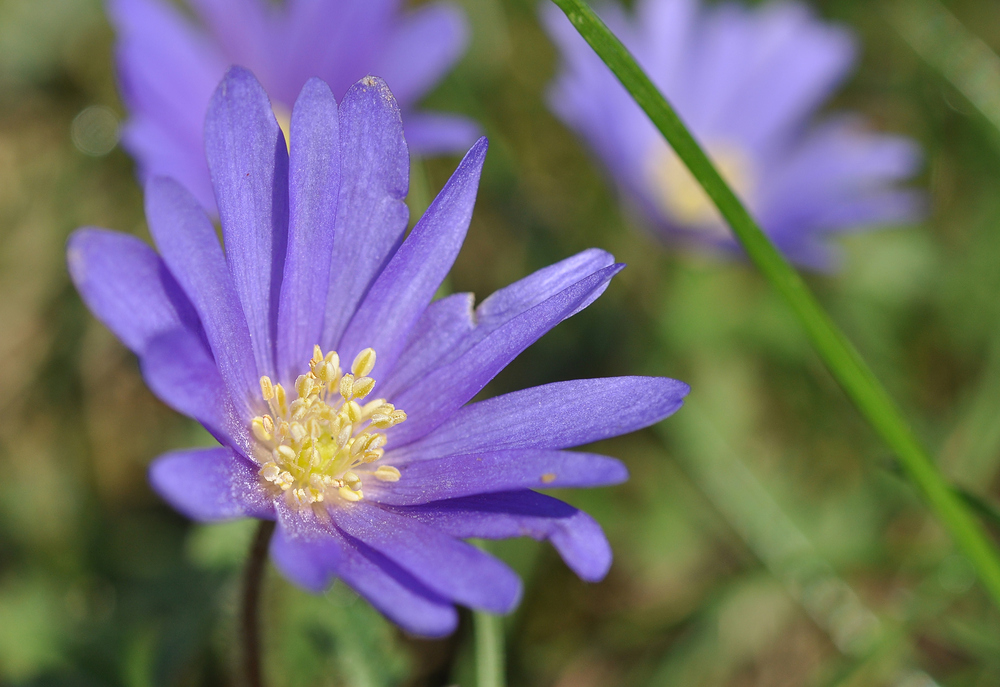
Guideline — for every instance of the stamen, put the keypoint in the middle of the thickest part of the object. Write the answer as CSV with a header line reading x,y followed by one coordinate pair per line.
x,y
387,473
319,443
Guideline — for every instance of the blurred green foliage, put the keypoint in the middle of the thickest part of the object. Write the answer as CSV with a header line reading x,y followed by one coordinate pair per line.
x,y
765,538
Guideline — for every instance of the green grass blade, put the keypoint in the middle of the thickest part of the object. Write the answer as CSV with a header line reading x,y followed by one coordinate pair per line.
x,y
839,355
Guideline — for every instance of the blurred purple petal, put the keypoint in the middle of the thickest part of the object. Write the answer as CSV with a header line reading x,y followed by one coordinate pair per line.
x,y
432,133
425,44
170,65
747,82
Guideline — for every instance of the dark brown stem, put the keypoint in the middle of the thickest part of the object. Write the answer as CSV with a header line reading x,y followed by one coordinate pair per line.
x,y
252,579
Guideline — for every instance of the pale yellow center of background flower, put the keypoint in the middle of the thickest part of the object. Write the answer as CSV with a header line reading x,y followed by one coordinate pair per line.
x,y
284,117
681,197
324,441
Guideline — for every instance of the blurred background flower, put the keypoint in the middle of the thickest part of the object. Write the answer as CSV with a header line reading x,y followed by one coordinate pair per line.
x,y
763,529
169,64
747,82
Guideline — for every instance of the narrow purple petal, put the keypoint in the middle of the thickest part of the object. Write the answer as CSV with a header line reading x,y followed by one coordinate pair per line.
x,y
424,46
249,163
553,416
405,287
429,405
512,300
371,212
575,535
484,473
127,286
211,484
436,133
310,552
395,591
453,569
180,370
313,189
304,548
445,346
309,564
191,250
443,325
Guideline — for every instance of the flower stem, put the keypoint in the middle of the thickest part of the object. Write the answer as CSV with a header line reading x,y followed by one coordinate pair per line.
x,y
489,642
841,358
489,649
253,578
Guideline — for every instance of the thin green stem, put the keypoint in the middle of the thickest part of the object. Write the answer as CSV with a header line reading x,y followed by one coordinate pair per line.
x,y
489,650
839,355
253,578
489,644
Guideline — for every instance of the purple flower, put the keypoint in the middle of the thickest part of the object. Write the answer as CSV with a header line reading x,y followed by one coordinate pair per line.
x,y
746,82
375,482
170,65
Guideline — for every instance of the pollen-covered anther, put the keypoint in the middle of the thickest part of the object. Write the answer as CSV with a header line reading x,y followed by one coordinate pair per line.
x,y
387,473
312,446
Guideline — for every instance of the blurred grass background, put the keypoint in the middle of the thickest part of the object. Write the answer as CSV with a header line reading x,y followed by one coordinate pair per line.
x,y
765,538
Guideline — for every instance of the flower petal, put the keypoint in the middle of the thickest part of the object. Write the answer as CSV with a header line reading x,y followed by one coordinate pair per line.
x,y
249,163
575,535
305,548
553,416
311,553
430,404
190,248
443,325
394,591
242,29
424,46
371,212
180,370
453,569
314,185
483,473
405,287
449,329
127,286
211,484
168,69
437,133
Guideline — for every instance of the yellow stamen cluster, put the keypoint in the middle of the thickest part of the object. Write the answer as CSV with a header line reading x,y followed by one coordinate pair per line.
x,y
680,195
317,443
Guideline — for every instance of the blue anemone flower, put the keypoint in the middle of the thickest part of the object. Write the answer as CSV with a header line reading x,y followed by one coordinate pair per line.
x,y
338,388
169,65
746,82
